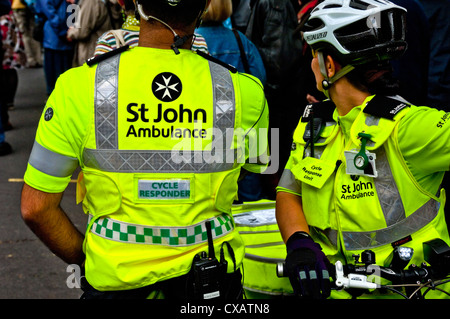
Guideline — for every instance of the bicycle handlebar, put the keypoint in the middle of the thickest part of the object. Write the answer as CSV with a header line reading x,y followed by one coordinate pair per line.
x,y
358,276
436,253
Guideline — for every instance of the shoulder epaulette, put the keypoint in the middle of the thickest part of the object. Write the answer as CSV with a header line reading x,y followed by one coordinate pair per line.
x,y
323,110
384,106
215,60
99,58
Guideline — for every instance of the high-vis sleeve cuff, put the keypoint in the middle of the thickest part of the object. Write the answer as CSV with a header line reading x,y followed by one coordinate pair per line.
x,y
44,182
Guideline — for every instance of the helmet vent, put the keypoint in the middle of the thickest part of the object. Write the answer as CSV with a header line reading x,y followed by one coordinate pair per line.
x,y
331,6
313,24
359,5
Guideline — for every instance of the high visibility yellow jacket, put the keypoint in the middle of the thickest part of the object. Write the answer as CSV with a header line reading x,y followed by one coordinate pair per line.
x,y
396,200
161,139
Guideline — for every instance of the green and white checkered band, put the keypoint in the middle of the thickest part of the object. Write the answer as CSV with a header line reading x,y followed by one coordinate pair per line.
x,y
168,236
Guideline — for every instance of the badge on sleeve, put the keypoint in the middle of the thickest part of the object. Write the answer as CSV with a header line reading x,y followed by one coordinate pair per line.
x,y
48,114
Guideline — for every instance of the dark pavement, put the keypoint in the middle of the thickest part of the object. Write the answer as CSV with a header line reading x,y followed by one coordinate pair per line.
x,y
27,268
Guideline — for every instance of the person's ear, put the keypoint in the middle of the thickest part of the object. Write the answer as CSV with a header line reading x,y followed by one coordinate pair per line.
x,y
331,66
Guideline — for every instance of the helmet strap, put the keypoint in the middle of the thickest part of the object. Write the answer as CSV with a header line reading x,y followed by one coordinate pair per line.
x,y
327,82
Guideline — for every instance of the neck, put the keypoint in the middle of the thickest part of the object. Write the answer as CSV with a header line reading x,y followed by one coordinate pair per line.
x,y
154,34
345,96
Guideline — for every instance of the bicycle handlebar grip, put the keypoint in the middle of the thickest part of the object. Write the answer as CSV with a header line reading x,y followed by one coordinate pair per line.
x,y
280,270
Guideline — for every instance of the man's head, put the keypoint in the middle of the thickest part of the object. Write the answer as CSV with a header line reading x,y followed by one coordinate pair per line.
x,y
177,13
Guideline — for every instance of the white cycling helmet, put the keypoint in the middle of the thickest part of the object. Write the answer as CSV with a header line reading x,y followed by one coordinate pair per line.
x,y
357,31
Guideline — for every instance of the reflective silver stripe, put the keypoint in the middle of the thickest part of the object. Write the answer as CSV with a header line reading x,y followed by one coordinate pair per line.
x,y
224,99
106,100
167,236
288,181
149,162
107,157
264,259
330,234
51,163
256,217
388,235
398,225
258,232
264,245
318,151
388,194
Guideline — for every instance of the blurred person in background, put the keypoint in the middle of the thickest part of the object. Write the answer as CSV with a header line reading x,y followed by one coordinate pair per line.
x,y
95,17
5,147
234,48
13,58
272,28
24,12
58,51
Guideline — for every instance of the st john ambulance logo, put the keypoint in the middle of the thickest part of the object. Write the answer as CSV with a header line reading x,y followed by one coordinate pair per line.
x,y
166,87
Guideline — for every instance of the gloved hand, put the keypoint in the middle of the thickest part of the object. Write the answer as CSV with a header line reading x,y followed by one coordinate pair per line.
x,y
307,267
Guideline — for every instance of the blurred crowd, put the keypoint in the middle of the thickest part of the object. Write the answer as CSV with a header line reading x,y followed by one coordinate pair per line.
x,y
260,37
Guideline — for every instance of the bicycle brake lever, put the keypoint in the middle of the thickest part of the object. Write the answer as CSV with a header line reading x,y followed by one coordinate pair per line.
x,y
353,280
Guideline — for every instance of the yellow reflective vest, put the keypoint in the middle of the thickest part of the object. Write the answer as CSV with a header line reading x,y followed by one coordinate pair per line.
x,y
161,139
389,203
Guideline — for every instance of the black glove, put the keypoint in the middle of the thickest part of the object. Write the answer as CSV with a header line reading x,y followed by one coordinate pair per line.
x,y
307,267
